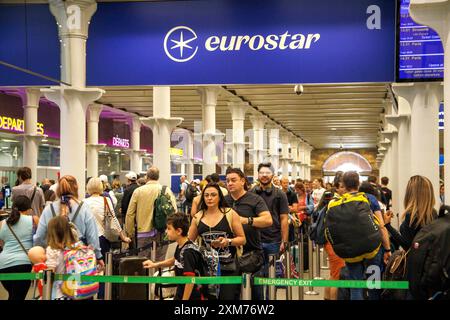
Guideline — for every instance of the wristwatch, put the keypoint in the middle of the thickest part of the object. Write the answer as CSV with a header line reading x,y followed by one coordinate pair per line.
x,y
250,221
229,242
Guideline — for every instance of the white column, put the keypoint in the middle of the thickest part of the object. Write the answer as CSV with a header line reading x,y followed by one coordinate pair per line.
x,y
73,100
190,157
92,146
208,98
274,138
31,139
401,122
393,175
294,156
135,151
436,14
308,150
238,110
258,121
162,126
301,153
285,154
424,99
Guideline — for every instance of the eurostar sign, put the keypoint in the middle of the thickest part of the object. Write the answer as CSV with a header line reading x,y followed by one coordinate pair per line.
x,y
180,43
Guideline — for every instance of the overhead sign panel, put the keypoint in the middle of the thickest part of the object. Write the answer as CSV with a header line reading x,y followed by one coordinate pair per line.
x,y
28,40
421,54
242,42
219,42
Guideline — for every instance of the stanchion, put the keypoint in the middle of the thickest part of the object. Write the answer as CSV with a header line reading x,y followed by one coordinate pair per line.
x,y
325,262
301,262
272,275
311,291
317,270
288,271
152,270
246,286
48,283
108,272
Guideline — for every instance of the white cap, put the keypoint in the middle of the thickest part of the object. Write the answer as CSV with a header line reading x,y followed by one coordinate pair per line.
x,y
104,178
197,181
131,176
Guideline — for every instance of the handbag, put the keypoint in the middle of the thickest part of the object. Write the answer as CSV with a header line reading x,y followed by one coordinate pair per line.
x,y
395,271
110,234
251,262
230,267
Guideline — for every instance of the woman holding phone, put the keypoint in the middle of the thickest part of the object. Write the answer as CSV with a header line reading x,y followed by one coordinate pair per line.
x,y
219,227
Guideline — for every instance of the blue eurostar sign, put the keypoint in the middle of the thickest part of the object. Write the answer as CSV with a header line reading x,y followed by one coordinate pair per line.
x,y
240,42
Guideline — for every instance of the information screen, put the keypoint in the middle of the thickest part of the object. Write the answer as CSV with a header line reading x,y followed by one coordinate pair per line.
x,y
421,55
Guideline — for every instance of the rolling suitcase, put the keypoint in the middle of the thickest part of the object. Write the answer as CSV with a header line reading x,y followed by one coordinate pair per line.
x,y
132,266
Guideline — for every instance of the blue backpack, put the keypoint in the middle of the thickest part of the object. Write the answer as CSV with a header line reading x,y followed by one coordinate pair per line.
x,y
317,231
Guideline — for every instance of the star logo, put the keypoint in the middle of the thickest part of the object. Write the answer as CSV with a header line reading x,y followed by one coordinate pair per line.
x,y
178,44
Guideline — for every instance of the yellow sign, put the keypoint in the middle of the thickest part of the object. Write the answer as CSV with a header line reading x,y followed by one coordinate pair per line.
x,y
18,125
176,152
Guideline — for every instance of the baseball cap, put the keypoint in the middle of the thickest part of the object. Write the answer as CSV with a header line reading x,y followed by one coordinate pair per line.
x,y
104,178
197,181
131,175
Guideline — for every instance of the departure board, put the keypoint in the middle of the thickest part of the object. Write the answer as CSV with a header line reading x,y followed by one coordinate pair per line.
x,y
421,55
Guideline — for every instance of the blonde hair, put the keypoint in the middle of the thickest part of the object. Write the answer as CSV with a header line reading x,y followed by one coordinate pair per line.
x,y
60,233
419,201
203,184
67,188
94,185
116,184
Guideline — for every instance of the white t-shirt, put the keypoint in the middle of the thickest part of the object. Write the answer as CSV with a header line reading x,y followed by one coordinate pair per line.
x,y
317,195
183,187
55,261
97,205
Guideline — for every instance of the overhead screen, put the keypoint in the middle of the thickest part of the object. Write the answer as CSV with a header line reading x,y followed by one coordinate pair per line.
x,y
420,50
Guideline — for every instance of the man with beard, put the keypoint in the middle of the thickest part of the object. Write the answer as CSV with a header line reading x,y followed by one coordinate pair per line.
x,y
254,217
274,238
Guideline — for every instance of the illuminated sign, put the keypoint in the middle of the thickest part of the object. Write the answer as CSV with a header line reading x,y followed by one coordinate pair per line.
x,y
119,142
176,152
17,125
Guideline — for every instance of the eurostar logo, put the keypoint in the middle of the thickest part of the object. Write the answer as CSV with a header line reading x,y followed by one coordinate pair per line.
x,y
178,44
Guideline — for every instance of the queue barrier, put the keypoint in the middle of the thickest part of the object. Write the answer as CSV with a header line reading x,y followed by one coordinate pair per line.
x,y
402,285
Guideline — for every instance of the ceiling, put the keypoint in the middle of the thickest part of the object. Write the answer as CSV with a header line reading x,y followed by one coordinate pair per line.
x,y
325,116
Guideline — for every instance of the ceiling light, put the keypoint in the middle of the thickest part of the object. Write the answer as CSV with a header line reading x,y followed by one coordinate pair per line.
x,y
8,140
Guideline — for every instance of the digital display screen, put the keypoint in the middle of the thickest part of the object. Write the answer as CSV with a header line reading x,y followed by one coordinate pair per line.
x,y
420,50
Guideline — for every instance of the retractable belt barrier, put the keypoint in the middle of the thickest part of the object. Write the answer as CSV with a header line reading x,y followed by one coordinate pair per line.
x,y
215,280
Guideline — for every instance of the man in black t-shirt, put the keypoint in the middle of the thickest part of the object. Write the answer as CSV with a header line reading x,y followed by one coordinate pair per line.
x,y
253,212
274,239
387,192
188,260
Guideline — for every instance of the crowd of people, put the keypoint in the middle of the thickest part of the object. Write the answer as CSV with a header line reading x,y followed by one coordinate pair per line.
x,y
241,223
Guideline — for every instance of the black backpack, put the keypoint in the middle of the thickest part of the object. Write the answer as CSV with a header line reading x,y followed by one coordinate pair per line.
x,y
428,262
190,193
351,228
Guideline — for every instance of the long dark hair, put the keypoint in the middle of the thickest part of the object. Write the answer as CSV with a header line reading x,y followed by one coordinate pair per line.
x,y
222,202
21,204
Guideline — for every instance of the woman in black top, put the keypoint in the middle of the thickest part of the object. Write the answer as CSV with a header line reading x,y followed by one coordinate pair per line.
x,y
212,224
419,211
